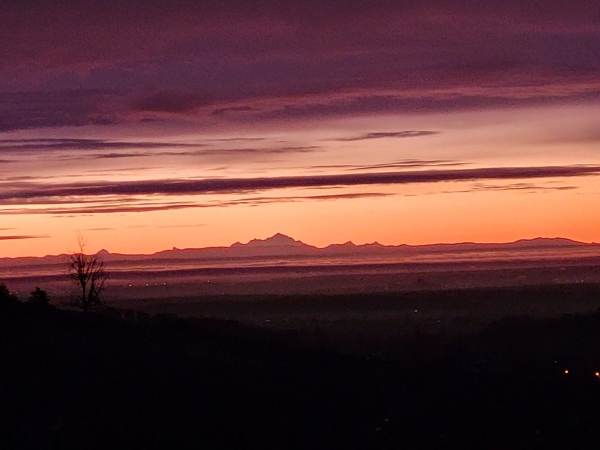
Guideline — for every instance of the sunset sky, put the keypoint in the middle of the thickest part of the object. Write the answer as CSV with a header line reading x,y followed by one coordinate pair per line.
x,y
151,125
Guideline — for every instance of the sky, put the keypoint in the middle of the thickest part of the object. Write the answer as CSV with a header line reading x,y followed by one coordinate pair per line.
x,y
150,125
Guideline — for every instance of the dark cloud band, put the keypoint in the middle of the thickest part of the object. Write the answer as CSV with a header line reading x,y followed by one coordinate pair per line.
x,y
32,191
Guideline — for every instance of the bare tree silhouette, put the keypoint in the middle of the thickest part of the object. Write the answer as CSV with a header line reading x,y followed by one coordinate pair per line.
x,y
87,271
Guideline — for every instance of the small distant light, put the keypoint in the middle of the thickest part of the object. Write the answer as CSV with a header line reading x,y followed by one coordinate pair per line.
x,y
566,372
416,311
597,374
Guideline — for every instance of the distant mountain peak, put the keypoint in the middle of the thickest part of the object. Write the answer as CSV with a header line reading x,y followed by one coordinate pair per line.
x,y
277,240
281,238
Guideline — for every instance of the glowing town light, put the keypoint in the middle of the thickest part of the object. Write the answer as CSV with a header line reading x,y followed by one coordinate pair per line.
x,y
566,372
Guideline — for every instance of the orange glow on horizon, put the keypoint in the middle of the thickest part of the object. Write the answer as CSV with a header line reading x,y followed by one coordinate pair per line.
x,y
490,210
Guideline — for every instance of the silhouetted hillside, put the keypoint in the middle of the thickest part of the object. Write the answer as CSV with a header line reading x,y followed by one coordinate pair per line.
x,y
120,378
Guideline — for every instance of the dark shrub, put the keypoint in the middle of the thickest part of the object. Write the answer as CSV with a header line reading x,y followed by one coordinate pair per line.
x,y
7,297
39,297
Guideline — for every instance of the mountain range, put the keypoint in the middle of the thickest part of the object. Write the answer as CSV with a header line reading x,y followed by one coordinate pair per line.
x,y
282,246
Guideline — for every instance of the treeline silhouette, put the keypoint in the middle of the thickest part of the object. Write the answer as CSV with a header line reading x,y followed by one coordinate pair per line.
x,y
129,379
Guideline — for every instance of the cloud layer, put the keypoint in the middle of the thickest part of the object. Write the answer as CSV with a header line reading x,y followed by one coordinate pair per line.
x,y
279,60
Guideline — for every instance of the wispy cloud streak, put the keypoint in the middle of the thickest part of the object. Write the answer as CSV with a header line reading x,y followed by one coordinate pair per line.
x,y
405,163
21,237
86,144
390,134
86,149
137,207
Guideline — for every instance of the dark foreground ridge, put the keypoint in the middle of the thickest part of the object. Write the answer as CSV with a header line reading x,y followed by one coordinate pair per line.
x,y
114,379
